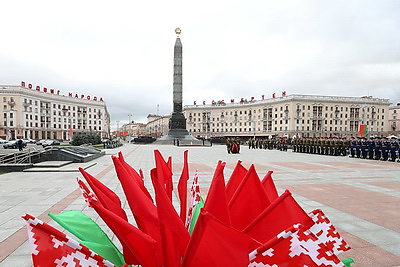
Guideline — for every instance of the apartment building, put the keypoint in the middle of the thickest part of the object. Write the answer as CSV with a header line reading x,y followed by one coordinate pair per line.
x,y
289,115
39,113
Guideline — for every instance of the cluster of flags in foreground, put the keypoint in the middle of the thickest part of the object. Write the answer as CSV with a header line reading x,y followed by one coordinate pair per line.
x,y
242,223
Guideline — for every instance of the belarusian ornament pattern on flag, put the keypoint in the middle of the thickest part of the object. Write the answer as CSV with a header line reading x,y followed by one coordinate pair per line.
x,y
295,246
86,192
195,197
51,247
327,233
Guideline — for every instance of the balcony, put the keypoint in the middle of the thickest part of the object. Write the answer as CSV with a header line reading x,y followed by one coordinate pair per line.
x,y
11,104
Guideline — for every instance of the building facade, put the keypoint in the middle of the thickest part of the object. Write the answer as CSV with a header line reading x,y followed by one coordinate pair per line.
x,y
289,115
157,125
394,120
38,113
132,129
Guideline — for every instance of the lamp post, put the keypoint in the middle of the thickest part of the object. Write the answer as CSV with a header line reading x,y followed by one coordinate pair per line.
x,y
6,112
117,129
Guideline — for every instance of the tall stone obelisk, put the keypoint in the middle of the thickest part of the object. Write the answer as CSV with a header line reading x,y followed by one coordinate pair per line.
x,y
177,122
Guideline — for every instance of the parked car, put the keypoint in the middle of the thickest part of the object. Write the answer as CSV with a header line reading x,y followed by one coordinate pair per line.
x,y
28,140
40,142
12,144
2,141
50,143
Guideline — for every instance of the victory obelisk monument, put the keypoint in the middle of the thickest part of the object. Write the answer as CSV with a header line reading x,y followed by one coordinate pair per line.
x,y
177,122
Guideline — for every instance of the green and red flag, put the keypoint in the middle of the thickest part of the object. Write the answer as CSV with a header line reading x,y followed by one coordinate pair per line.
x,y
363,129
50,247
89,234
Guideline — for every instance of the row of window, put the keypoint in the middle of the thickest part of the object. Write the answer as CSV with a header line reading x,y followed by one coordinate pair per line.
x,y
330,122
298,109
270,116
47,105
275,129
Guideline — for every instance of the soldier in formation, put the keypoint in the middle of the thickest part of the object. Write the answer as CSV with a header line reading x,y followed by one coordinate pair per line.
x,y
331,146
376,148
279,143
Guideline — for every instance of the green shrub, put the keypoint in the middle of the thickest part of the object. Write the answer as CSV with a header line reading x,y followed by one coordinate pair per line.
x,y
85,138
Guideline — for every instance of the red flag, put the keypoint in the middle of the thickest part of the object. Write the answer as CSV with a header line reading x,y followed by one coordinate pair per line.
x,y
270,187
89,195
236,178
295,246
249,200
182,187
105,195
327,233
164,172
169,183
135,175
50,247
143,209
141,245
214,243
280,215
216,202
174,236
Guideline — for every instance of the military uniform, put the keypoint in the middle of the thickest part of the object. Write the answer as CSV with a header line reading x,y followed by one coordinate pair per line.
x,y
353,147
371,148
394,149
378,149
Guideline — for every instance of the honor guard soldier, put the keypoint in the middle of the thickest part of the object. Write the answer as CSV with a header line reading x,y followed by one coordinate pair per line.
x,y
385,149
371,147
378,148
353,147
345,145
394,149
358,147
364,148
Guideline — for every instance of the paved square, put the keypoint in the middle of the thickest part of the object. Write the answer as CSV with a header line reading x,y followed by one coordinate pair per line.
x,y
360,197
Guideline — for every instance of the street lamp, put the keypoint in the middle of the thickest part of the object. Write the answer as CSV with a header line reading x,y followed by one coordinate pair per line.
x,y
117,129
6,117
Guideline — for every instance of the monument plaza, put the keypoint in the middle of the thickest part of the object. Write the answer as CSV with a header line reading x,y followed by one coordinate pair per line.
x,y
359,196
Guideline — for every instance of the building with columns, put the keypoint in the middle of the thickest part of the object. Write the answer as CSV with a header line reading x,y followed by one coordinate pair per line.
x,y
41,113
289,115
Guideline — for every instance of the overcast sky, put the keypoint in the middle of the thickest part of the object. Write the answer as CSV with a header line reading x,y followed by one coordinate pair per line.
x,y
122,51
